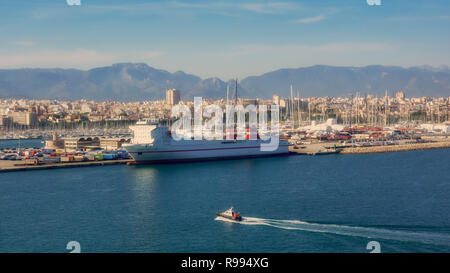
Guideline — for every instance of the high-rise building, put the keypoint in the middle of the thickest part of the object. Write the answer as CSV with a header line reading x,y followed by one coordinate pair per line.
x,y
24,118
172,96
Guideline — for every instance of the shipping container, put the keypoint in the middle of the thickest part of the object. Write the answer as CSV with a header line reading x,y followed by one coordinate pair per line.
x,y
109,156
78,158
48,159
66,159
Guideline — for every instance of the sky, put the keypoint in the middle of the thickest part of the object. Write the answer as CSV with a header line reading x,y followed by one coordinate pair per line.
x,y
225,38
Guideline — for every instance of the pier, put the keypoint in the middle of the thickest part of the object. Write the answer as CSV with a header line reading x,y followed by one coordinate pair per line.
x,y
328,147
14,165
396,148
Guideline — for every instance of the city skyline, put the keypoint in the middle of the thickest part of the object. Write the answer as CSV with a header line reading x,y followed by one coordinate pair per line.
x,y
223,38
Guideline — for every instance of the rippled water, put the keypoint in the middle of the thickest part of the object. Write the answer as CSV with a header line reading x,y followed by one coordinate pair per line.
x,y
22,143
334,203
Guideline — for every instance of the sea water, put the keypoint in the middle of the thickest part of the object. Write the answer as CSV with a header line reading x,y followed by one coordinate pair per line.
x,y
332,203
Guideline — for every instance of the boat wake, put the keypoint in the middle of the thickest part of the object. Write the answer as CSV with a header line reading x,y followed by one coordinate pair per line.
x,y
356,231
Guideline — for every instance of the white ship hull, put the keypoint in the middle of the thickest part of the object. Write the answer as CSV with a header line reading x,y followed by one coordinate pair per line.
x,y
154,144
201,151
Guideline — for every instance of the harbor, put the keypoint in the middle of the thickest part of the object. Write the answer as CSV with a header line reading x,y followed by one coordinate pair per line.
x,y
38,154
34,159
225,135
150,140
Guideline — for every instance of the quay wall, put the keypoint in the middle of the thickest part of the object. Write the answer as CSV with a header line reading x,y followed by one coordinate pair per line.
x,y
396,148
8,166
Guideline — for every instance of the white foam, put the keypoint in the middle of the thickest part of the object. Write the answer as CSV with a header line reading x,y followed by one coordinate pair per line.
x,y
367,232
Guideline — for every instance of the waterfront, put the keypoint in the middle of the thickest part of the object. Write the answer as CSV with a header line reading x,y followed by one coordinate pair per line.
x,y
339,201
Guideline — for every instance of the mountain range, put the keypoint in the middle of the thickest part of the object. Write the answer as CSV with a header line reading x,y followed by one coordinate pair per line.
x,y
138,82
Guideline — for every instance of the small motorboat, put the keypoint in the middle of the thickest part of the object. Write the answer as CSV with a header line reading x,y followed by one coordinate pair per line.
x,y
229,214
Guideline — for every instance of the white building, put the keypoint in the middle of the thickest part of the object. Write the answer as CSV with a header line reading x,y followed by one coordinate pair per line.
x,y
329,126
437,128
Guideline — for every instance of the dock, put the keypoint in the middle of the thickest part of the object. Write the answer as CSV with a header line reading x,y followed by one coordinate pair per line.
x,y
314,149
396,148
317,151
14,165
319,148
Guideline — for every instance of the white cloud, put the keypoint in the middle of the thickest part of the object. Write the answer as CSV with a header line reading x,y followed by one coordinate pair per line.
x,y
24,43
78,58
149,54
256,59
311,19
296,49
268,7
213,6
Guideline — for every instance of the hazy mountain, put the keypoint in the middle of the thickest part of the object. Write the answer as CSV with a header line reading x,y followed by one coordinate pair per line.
x,y
323,80
134,82
124,82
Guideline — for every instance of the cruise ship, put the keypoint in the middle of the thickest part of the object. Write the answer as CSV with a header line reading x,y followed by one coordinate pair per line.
x,y
154,144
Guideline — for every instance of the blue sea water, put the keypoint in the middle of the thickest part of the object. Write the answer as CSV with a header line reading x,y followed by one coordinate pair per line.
x,y
334,203
22,143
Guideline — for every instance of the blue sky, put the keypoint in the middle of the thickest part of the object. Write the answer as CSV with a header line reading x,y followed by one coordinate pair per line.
x,y
223,38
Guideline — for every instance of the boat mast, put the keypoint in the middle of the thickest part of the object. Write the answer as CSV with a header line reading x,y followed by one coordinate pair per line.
x,y
351,110
385,108
309,110
236,92
228,91
299,110
291,114
357,108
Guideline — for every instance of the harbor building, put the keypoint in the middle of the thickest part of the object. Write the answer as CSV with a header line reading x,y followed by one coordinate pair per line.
x,y
81,143
54,143
111,144
172,96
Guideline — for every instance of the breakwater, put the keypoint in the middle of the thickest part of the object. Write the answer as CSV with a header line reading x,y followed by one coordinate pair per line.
x,y
396,148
